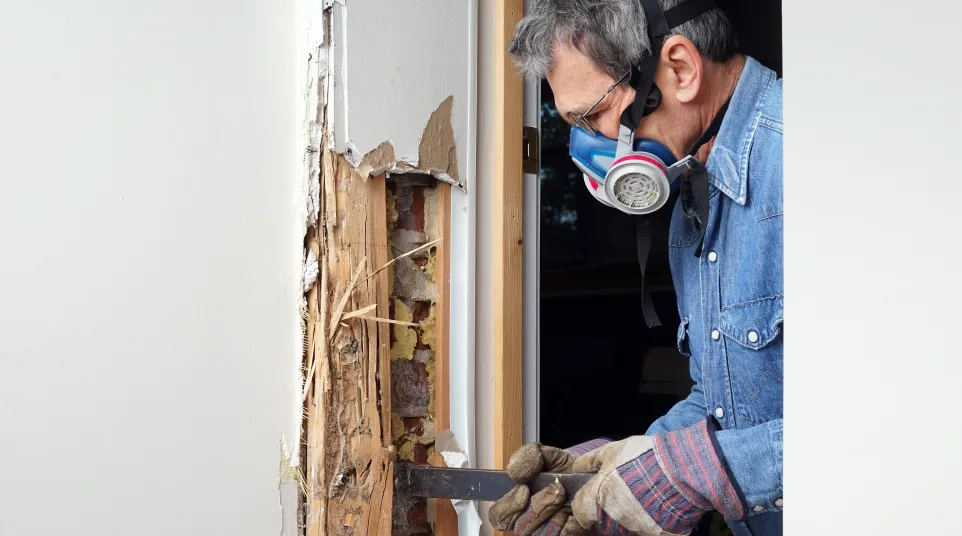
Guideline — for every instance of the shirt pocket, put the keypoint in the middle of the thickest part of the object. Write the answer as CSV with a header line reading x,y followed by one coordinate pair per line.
x,y
753,339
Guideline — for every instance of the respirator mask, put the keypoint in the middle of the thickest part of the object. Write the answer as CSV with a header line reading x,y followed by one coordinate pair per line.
x,y
636,177
639,176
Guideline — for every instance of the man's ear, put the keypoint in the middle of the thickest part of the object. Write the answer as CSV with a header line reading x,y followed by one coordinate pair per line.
x,y
682,63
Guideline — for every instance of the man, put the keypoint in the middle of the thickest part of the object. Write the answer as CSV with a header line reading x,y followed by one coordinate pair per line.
x,y
720,448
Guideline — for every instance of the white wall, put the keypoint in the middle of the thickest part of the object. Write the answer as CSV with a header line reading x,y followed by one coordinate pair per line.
x,y
149,240
484,366
872,187
393,64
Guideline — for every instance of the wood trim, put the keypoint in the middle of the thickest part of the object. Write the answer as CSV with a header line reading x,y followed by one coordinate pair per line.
x,y
446,522
508,207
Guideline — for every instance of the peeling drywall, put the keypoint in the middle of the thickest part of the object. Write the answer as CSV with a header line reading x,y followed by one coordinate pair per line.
x,y
437,151
399,101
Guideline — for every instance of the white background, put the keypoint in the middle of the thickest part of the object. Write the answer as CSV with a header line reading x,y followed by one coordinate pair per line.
x,y
873,291
149,265
149,258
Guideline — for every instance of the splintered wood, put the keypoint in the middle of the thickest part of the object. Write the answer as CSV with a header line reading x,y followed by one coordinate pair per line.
x,y
347,391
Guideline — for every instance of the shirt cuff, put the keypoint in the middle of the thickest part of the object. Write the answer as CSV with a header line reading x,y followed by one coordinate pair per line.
x,y
695,465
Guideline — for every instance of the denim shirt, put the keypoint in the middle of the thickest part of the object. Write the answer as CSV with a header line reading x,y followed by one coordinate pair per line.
x,y
731,298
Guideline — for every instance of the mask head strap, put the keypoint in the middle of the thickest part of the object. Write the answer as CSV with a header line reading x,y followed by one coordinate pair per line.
x,y
647,100
660,23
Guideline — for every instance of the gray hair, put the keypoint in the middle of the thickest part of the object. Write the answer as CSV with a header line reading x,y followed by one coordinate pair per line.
x,y
612,33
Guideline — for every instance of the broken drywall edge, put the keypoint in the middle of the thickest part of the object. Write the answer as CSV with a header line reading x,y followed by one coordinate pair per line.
x,y
382,159
469,518
447,446
377,160
288,488
436,150
437,153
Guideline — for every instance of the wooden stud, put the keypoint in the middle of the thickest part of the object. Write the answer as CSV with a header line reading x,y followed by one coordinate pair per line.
x,y
508,110
446,523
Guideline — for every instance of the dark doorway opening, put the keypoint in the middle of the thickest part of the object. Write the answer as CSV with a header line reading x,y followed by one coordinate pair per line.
x,y
603,372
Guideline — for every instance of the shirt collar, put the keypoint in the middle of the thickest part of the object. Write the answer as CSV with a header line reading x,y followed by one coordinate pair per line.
x,y
728,161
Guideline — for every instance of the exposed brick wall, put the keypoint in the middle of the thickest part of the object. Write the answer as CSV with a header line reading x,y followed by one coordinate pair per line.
x,y
412,209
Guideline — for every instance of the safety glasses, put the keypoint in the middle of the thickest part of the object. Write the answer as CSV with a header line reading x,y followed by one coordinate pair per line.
x,y
581,120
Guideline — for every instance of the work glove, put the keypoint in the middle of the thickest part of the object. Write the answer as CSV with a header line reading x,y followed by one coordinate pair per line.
x,y
658,485
543,514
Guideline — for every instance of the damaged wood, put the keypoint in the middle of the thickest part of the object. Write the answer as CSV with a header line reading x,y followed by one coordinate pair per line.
x,y
349,482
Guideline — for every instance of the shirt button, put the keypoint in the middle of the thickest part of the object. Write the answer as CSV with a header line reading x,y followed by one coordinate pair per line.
x,y
759,508
715,334
712,256
778,503
720,413
753,336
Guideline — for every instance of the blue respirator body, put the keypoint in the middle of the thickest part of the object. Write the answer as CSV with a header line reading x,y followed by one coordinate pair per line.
x,y
637,181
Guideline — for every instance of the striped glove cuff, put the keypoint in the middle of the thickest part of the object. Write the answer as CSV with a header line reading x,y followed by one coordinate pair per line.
x,y
681,478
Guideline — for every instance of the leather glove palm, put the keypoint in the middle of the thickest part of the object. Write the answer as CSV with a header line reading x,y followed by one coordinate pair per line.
x,y
656,485
544,513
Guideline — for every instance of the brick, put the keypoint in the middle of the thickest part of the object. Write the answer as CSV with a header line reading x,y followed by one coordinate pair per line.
x,y
414,425
410,394
420,454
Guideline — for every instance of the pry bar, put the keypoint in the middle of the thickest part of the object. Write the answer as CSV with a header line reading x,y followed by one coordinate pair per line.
x,y
475,484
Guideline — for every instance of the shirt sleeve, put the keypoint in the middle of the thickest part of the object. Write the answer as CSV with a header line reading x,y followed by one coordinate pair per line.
x,y
682,415
754,456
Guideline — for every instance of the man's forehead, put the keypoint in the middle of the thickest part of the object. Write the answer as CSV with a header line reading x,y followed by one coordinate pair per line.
x,y
577,95
575,81
573,93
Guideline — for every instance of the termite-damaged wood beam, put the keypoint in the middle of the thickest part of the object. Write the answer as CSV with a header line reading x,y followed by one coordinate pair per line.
x,y
507,234
349,455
